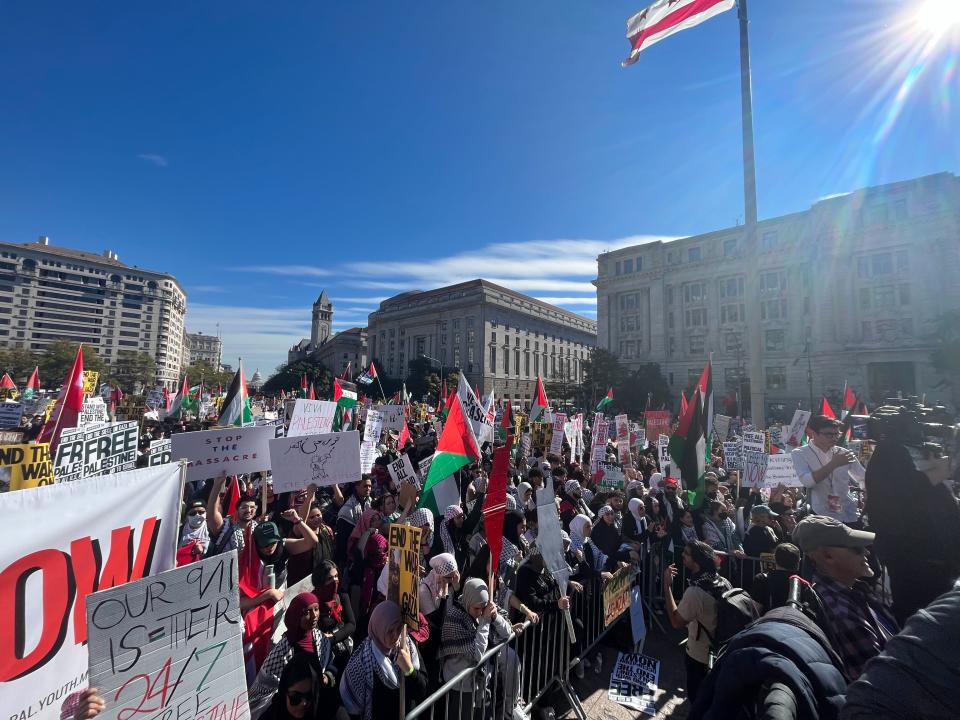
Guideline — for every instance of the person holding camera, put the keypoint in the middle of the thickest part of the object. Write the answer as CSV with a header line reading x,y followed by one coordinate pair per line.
x,y
825,470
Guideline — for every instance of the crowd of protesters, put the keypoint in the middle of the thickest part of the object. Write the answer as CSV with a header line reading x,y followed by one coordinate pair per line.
x,y
345,647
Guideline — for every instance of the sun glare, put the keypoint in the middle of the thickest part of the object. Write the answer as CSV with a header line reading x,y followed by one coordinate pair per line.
x,y
936,17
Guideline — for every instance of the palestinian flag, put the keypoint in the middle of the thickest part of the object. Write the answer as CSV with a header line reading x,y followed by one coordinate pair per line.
x,y
236,406
826,410
687,446
313,393
369,375
176,408
683,403
539,405
849,401
6,383
192,402
607,399
33,385
404,435
456,448
345,396
506,422
166,398
705,386
303,386
447,404
66,411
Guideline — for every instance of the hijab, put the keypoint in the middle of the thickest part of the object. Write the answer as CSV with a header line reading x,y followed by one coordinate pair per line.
x,y
328,595
386,617
633,505
475,592
361,531
578,527
292,617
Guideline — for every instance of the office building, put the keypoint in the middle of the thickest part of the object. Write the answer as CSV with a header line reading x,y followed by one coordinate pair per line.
x,y
208,348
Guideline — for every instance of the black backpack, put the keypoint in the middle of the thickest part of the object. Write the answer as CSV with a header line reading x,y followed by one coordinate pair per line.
x,y
735,611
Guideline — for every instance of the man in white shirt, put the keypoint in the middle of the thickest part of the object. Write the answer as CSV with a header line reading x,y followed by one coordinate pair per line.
x,y
825,470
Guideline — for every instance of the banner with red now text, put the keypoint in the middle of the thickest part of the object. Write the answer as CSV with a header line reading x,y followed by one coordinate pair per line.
x,y
64,542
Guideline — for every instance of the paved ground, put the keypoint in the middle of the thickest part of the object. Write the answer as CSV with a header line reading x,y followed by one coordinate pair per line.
x,y
671,699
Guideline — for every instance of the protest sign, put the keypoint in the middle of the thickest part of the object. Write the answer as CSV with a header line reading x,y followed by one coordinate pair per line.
x,y
721,426
401,470
311,417
319,459
96,450
775,435
233,451
733,456
175,636
623,439
473,410
403,577
634,681
10,414
657,422
754,459
616,594
94,412
663,452
423,467
90,378
780,471
11,437
391,416
556,442
160,452
639,438
612,475
638,624
798,426
525,445
109,530
373,426
25,466
598,450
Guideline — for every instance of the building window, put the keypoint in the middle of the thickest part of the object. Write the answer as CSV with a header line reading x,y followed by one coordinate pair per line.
x,y
526,364
628,266
617,267
456,340
669,295
493,337
696,344
628,349
731,378
628,323
516,341
731,288
629,301
773,310
695,292
639,265
900,209
506,362
469,322
536,364
696,318
671,346
732,313
768,240
693,254
670,320
456,324
731,247
774,340
776,378
456,357
773,281
516,362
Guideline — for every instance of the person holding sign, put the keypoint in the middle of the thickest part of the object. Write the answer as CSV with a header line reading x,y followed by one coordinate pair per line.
x,y
370,686
825,469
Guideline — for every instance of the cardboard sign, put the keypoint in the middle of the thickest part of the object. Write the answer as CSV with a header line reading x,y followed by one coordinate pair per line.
x,y
319,459
10,414
754,459
401,470
639,438
798,425
160,452
311,417
96,450
25,466
612,475
94,412
556,442
598,450
90,382
549,539
403,577
780,471
423,467
231,450
616,595
623,439
634,682
663,452
11,437
657,422
733,455
109,530
391,416
480,421
172,640
721,426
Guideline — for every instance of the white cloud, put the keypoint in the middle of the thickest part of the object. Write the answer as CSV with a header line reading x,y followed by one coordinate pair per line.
x,y
158,160
310,270
207,289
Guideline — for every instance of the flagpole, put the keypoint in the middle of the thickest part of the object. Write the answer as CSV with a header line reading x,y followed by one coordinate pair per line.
x,y
382,393
750,221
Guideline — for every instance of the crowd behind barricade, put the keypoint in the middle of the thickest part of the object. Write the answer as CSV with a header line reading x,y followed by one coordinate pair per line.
x,y
786,589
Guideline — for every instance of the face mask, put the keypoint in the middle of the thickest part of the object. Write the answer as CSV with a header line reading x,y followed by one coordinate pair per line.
x,y
195,521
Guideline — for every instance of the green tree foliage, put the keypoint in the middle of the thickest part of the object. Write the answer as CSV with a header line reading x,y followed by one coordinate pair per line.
x,y
19,363
631,389
131,368
289,376
203,370
58,358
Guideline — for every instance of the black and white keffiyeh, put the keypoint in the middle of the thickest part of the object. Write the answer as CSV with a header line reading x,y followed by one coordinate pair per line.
x,y
356,685
268,679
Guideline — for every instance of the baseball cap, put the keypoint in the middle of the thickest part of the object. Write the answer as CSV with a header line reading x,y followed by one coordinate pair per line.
x,y
763,510
266,534
816,531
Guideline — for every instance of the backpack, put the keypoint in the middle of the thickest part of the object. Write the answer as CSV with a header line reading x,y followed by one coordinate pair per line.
x,y
735,611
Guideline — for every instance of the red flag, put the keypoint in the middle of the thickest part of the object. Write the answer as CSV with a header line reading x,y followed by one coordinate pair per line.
x,y
66,412
404,435
443,392
863,409
232,498
683,403
495,504
849,399
303,386
258,622
826,410
6,382
34,382
166,399
313,393
346,371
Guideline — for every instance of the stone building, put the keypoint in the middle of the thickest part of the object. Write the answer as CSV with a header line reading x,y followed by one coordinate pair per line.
x,y
50,293
849,288
321,329
500,339
348,347
203,347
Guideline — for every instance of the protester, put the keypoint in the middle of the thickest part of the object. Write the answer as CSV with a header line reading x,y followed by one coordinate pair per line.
x,y
826,470
771,589
337,621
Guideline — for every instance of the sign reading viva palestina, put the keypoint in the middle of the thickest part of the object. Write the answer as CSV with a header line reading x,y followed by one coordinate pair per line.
x,y
311,417
171,641
227,450
97,450
108,531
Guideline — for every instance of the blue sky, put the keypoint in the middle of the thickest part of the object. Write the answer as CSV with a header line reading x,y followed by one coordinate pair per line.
x,y
262,152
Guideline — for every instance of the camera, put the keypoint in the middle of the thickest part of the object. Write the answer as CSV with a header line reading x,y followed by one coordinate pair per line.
x,y
907,421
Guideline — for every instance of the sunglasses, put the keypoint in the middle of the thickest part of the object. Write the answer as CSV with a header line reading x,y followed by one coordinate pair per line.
x,y
295,698
197,512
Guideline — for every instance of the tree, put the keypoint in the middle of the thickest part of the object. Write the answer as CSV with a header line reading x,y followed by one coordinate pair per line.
x,y
945,355
19,363
203,370
601,371
58,358
643,389
132,368
290,376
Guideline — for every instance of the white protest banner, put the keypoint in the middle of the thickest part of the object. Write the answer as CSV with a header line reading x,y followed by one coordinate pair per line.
x,y
109,530
473,410
391,416
798,425
754,459
639,438
638,623
525,444
94,412
599,443
780,471
96,450
175,636
634,681
721,426
311,417
664,454
401,470
556,442
776,435
623,439
570,434
233,451
550,544
423,467
373,426
10,414
733,456
160,452
319,459
612,475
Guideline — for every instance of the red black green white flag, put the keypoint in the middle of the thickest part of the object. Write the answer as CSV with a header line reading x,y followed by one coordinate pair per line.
x,y
236,406
605,402
33,385
456,448
177,408
687,445
539,405
368,376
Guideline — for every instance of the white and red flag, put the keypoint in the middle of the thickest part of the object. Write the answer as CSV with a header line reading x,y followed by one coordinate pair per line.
x,y
666,17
